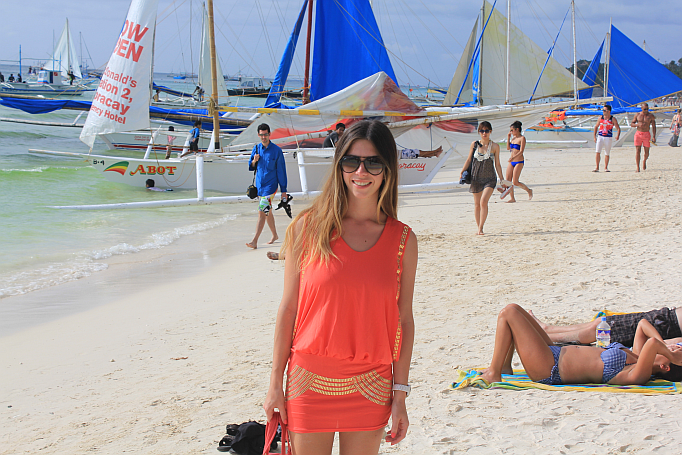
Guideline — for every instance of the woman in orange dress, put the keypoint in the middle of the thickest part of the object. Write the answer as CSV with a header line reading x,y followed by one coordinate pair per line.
x,y
345,329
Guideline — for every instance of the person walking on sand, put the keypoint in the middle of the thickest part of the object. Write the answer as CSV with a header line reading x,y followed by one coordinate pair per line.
x,y
675,126
484,156
516,144
546,363
345,328
604,128
267,160
644,121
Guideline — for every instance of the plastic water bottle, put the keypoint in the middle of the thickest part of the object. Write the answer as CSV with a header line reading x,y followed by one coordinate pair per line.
x,y
603,333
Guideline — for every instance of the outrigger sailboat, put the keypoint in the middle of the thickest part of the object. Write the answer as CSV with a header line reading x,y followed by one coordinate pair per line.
x,y
224,170
373,94
54,79
632,76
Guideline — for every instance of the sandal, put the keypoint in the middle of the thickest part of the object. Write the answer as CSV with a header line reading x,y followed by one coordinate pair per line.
x,y
506,192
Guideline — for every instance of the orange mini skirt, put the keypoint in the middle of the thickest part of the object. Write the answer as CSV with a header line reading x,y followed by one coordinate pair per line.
x,y
326,394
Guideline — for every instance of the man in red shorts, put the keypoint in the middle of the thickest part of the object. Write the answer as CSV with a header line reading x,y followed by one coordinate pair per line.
x,y
644,120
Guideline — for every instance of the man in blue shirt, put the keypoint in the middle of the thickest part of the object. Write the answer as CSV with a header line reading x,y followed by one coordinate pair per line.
x,y
267,160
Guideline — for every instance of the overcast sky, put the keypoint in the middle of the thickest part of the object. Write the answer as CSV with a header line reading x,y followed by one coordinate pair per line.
x,y
425,37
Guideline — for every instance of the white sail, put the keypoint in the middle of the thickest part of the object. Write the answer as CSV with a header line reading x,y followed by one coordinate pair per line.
x,y
122,99
527,61
64,58
205,67
460,78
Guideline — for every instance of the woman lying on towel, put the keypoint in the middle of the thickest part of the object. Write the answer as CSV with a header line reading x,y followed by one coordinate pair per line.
x,y
549,364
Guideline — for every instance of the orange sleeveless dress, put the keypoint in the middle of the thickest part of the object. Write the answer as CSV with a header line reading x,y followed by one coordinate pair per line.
x,y
346,336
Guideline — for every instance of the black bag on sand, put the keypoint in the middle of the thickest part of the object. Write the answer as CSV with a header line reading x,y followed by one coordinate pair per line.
x,y
248,440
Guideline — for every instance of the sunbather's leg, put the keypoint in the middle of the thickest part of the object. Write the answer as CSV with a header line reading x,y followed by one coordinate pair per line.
x,y
584,333
515,326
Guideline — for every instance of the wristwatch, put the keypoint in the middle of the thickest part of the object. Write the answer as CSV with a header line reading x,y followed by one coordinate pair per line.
x,y
403,388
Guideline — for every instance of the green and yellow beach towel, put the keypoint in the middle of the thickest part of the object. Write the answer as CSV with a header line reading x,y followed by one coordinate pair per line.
x,y
520,381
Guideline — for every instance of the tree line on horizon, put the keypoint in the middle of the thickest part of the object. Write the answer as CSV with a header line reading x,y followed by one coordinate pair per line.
x,y
673,66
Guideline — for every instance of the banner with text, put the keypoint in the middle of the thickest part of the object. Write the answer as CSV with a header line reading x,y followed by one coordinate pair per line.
x,y
122,99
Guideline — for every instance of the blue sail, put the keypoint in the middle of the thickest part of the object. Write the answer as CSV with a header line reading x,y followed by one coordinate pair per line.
x,y
348,46
634,75
277,86
591,75
475,77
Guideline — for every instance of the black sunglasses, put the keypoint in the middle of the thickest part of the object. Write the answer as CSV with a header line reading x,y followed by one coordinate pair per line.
x,y
351,163
484,131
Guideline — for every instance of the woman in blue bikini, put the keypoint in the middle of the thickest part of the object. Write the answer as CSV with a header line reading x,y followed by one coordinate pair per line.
x,y
516,144
549,364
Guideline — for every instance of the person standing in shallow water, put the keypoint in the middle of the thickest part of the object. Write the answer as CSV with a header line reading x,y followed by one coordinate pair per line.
x,y
345,328
516,144
486,160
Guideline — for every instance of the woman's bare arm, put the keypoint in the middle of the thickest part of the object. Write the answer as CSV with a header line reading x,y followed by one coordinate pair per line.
x,y
642,370
284,329
401,367
644,331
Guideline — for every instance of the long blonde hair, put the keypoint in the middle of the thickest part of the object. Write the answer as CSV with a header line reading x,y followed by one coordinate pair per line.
x,y
321,222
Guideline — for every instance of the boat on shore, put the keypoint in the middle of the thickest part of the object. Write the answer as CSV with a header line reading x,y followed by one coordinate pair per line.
x,y
60,76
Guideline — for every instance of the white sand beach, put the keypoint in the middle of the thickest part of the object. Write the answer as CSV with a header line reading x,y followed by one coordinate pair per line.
x,y
162,368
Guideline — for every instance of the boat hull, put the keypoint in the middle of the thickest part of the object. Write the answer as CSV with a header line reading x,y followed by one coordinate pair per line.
x,y
7,88
570,137
140,141
231,174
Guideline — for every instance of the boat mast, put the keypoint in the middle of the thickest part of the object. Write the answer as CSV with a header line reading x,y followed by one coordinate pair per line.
x,y
575,60
306,79
607,62
480,54
506,92
214,77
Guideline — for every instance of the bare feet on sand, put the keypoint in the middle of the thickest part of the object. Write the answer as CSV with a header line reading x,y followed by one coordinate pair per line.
x,y
251,245
273,240
272,255
530,193
480,233
490,378
511,200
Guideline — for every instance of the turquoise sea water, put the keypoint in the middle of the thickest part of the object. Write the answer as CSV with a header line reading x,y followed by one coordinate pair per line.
x,y
42,246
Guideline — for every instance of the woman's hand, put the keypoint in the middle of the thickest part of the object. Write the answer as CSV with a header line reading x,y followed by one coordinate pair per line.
x,y
677,354
275,400
399,421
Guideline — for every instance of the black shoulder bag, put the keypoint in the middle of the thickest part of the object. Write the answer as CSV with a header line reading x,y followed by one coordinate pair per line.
x,y
252,191
466,175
